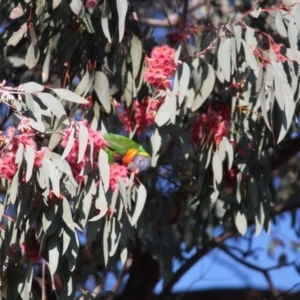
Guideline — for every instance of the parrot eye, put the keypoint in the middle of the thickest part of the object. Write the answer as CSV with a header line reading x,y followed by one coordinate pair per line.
x,y
142,162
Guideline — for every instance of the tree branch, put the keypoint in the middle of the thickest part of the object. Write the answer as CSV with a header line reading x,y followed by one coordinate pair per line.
x,y
173,19
218,242
264,271
283,152
189,263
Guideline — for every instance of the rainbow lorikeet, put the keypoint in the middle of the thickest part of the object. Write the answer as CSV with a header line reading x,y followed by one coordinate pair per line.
x,y
131,154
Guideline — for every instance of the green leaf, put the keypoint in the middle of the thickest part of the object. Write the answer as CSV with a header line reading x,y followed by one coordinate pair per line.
x,y
104,169
67,215
85,84
29,157
104,22
83,141
124,255
29,102
256,12
87,202
13,190
238,36
32,56
54,177
172,107
122,190
70,143
29,277
19,154
46,66
293,34
217,167
279,24
128,92
177,54
250,58
241,222
101,87
52,103
122,7
136,55
65,242
259,219
224,58
140,200
206,86
54,253
17,35
163,113
100,204
262,98
31,87
73,252
77,8
106,231
56,136
183,82
115,235
70,96
16,12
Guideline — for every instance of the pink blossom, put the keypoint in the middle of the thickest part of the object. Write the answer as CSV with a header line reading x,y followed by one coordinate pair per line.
x,y
31,247
8,168
211,125
39,155
160,66
140,115
53,198
117,171
175,37
91,3
24,125
10,131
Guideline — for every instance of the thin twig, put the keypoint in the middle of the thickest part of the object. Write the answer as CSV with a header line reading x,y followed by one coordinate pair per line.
x,y
189,263
264,271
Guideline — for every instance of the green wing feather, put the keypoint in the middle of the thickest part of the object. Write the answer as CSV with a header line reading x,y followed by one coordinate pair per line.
x,y
119,143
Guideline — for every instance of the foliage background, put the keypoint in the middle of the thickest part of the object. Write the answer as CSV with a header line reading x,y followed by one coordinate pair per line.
x,y
101,52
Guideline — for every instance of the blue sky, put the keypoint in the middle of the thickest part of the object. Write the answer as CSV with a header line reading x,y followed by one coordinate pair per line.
x,y
218,270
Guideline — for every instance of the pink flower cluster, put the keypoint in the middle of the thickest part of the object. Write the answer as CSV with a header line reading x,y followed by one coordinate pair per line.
x,y
94,137
8,167
91,3
160,66
117,171
140,115
212,125
30,246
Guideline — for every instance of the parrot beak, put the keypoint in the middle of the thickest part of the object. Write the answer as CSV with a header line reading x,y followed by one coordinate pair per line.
x,y
133,167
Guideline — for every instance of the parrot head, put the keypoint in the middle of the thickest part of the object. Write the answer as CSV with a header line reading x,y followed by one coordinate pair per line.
x,y
139,163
